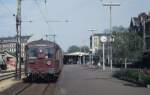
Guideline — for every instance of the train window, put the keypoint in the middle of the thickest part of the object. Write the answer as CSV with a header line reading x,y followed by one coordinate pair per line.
x,y
48,52
32,52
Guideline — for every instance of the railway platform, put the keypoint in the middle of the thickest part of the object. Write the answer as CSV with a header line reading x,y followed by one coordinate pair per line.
x,y
75,80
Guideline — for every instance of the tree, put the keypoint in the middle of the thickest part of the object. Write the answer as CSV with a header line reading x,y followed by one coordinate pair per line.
x,y
73,48
85,49
126,45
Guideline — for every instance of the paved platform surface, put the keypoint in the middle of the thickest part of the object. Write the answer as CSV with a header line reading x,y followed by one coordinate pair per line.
x,y
80,80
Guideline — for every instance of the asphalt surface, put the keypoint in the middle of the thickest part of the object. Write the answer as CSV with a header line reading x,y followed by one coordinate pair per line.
x,y
80,80
76,80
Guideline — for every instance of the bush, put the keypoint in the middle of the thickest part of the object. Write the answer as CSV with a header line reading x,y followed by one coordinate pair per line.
x,y
133,75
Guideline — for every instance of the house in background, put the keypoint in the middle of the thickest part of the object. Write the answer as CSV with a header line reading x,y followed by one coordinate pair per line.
x,y
141,26
9,44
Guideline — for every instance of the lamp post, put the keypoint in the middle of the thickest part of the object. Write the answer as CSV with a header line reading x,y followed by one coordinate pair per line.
x,y
110,5
111,52
103,40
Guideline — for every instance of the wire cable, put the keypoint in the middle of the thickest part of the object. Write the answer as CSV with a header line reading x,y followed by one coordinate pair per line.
x,y
42,14
4,6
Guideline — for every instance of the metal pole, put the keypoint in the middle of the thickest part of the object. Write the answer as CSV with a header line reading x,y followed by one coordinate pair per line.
x,y
110,45
84,56
103,56
144,36
18,44
92,48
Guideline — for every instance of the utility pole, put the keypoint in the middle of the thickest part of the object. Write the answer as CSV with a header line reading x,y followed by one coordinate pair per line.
x,y
45,1
18,43
110,5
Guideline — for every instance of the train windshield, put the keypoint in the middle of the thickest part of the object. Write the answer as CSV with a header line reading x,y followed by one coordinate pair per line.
x,y
32,52
48,52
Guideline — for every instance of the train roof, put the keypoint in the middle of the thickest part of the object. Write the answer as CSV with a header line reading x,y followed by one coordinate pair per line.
x,y
42,42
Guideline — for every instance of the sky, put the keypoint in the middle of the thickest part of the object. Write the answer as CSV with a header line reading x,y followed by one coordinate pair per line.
x,y
82,15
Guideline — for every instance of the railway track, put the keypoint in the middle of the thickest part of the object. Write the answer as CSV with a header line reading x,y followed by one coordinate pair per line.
x,y
36,89
22,89
7,76
5,71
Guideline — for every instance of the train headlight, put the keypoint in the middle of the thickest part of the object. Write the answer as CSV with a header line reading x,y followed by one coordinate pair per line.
x,y
49,62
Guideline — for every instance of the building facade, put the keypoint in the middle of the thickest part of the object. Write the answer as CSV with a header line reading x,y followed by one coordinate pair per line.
x,y
9,44
96,47
141,26
95,42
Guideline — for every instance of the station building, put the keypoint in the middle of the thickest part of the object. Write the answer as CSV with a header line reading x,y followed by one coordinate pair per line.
x,y
76,58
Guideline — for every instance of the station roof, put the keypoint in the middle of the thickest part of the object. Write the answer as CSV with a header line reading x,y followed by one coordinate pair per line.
x,y
76,54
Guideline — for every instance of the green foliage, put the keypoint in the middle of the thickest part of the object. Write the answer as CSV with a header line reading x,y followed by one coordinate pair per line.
x,y
85,49
73,48
126,44
133,76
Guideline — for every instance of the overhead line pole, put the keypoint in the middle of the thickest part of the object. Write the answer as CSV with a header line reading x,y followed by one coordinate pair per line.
x,y
18,43
110,5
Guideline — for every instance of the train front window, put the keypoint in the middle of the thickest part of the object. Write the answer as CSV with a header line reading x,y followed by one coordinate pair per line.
x,y
48,52
32,52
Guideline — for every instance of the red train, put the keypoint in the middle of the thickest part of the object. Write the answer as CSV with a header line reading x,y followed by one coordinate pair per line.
x,y
44,60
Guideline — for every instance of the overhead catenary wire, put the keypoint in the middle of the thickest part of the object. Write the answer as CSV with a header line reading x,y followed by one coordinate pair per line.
x,y
6,7
42,14
40,10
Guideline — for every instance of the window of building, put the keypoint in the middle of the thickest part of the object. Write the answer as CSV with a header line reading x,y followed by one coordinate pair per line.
x,y
96,42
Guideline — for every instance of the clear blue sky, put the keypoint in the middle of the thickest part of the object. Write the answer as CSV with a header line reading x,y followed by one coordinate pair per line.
x,y
82,14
